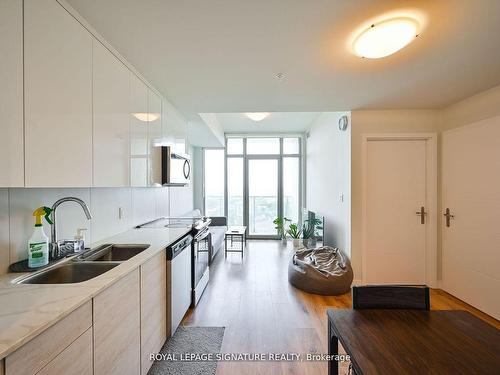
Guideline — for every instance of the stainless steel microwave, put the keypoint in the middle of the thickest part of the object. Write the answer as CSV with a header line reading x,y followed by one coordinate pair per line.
x,y
175,167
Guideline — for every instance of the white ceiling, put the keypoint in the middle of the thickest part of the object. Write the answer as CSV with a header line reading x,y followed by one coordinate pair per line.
x,y
276,122
221,56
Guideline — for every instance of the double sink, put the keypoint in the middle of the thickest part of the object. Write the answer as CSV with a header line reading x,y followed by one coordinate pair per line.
x,y
86,266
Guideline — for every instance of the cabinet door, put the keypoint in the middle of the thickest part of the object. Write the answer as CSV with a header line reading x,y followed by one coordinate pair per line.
x,y
174,127
117,337
154,138
58,97
153,308
111,119
76,359
11,93
36,354
138,132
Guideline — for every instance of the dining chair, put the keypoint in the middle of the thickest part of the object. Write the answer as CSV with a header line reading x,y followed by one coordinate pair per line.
x,y
414,297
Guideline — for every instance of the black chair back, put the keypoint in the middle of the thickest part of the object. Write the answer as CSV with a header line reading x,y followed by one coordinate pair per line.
x,y
391,297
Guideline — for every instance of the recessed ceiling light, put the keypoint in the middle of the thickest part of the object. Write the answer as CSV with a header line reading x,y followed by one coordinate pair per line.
x,y
257,116
146,117
386,37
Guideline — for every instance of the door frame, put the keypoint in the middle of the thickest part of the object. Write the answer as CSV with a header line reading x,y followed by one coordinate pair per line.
x,y
431,198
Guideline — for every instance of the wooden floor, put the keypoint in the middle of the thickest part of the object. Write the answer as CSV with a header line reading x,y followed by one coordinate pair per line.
x,y
263,313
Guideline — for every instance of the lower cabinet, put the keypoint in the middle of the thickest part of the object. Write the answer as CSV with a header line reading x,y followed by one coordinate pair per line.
x,y
112,334
76,359
64,348
153,308
117,335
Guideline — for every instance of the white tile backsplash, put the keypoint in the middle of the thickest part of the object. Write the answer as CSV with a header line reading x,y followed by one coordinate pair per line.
x,y
105,206
23,202
138,205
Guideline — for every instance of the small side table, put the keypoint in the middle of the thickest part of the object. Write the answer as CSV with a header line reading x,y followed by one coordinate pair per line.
x,y
238,233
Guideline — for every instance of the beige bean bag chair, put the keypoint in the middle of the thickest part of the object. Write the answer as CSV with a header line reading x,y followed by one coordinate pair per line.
x,y
325,270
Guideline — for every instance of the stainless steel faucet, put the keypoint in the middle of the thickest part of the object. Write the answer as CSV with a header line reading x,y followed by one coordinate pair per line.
x,y
54,246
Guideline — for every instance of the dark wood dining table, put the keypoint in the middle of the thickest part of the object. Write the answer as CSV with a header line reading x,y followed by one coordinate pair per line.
x,y
406,342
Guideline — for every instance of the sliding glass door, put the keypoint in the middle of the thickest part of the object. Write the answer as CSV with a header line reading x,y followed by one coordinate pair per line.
x,y
263,176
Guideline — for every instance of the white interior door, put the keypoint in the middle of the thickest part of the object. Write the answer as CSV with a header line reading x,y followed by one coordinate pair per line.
x,y
471,190
395,190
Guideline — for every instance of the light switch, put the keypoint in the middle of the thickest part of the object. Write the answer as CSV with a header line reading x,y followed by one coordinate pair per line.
x,y
341,197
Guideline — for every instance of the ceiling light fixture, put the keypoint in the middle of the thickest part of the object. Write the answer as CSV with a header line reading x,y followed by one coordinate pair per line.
x,y
146,117
386,37
257,116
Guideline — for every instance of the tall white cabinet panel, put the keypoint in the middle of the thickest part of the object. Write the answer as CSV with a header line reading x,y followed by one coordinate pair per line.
x,y
138,132
11,93
154,138
58,97
174,127
111,119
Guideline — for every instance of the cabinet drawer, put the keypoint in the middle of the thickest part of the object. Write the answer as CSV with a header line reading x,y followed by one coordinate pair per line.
x,y
76,359
33,356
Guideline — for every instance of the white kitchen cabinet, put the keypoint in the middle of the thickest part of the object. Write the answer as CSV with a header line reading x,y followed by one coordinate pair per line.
x,y
154,138
111,119
58,97
174,127
139,117
11,93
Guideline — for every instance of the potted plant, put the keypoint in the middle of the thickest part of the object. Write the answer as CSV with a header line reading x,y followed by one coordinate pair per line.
x,y
280,227
294,232
308,234
310,231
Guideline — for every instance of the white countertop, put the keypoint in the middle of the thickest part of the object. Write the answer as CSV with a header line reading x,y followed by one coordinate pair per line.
x,y
26,310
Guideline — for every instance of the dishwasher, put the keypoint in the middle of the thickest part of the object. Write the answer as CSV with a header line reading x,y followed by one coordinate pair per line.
x,y
179,263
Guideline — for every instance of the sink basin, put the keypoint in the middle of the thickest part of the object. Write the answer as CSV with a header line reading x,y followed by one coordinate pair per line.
x,y
71,272
112,253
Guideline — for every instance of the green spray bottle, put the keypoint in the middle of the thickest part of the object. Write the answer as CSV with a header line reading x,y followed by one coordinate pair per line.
x,y
38,244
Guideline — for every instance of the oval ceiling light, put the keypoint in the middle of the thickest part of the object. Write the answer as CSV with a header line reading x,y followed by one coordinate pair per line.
x,y
386,37
257,116
146,117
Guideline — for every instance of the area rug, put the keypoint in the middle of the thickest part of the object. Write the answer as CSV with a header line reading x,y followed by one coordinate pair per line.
x,y
185,342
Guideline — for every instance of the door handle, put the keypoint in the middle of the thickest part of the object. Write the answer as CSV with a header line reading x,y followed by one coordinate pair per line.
x,y
448,216
422,214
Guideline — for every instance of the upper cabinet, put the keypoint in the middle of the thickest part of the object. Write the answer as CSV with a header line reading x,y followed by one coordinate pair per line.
x,y
139,117
174,127
58,97
111,119
154,138
77,116
11,93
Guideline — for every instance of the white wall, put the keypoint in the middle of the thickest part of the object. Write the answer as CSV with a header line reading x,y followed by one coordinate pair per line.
x,y
328,170
478,107
384,121
139,205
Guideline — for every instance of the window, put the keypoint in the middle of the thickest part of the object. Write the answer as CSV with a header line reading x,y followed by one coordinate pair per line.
x,y
291,146
234,146
235,191
263,182
214,182
291,183
262,146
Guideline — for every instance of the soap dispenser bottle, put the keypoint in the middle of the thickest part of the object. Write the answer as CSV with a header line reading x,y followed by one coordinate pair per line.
x,y
80,240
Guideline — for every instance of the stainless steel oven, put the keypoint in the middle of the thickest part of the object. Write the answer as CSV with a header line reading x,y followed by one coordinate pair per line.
x,y
201,257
